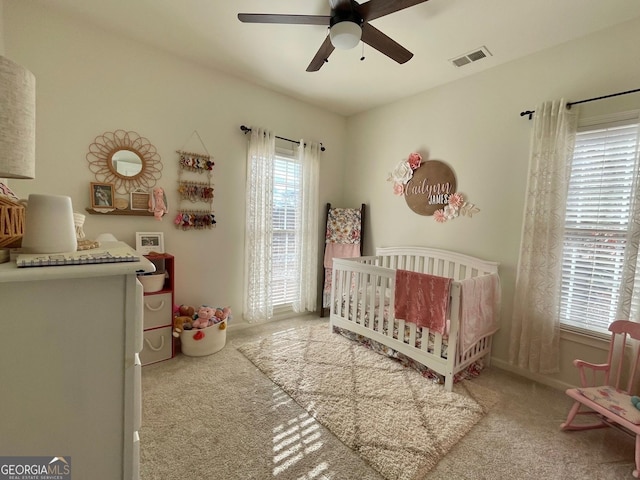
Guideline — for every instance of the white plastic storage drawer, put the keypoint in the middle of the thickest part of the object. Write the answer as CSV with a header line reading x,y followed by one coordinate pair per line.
x,y
157,345
157,310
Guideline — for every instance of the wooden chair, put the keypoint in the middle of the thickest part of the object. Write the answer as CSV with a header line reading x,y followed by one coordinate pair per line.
x,y
603,392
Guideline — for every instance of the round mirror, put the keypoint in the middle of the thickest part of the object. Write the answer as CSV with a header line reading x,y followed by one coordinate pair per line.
x,y
125,159
126,163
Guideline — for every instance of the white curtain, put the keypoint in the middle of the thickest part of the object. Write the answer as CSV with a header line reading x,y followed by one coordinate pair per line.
x,y
258,302
535,330
629,302
307,231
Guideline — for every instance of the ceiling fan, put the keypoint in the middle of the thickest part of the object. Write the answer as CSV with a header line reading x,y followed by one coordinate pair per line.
x,y
348,23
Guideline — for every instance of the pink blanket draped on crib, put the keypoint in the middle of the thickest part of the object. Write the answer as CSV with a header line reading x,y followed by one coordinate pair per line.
x,y
422,299
479,309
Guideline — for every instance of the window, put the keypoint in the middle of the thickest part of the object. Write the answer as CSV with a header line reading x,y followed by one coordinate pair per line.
x,y
598,220
287,200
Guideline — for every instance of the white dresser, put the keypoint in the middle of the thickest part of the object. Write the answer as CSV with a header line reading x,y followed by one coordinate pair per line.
x,y
69,365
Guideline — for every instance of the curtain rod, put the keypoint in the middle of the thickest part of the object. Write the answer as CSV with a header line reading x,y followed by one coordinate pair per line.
x,y
569,104
247,130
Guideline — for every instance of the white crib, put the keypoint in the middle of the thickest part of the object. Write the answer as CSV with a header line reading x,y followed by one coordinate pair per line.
x,y
362,301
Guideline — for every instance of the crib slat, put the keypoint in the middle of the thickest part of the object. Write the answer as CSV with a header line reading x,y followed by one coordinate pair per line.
x,y
437,344
361,296
400,334
338,294
371,301
412,334
425,339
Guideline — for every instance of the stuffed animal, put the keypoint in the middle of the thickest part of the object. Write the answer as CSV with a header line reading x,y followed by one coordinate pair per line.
x,y
204,317
635,400
186,311
221,314
182,319
181,323
158,202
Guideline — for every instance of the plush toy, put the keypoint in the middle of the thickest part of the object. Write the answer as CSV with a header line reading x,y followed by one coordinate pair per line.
x,y
204,317
186,311
181,323
182,319
635,400
158,202
221,314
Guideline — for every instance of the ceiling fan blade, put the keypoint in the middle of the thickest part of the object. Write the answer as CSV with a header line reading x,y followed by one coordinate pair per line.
x,y
286,19
340,4
378,8
378,40
321,55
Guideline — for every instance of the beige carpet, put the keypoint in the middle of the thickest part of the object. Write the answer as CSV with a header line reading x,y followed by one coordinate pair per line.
x,y
399,422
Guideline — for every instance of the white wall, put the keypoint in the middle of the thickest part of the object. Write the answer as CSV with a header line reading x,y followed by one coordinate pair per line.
x,y
90,81
474,126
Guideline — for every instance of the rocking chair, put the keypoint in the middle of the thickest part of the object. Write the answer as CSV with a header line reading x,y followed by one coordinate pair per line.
x,y
606,399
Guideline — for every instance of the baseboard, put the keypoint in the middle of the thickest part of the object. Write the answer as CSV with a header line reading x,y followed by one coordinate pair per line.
x,y
536,377
242,324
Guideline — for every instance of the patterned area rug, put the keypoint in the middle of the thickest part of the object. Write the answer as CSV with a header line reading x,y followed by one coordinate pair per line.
x,y
398,421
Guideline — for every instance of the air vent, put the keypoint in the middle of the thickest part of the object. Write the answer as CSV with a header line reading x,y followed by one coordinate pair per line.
x,y
470,57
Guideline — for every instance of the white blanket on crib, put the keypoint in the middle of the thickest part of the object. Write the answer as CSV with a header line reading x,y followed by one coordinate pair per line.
x,y
479,309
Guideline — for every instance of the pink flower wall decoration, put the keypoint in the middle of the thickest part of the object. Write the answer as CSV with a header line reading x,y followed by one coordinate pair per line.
x,y
456,206
439,216
415,159
456,200
403,172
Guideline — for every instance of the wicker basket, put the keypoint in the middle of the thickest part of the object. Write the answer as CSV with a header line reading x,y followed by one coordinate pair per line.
x,y
11,222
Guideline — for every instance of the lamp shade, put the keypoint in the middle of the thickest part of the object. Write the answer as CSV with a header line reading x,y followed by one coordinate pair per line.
x,y
345,35
49,225
17,121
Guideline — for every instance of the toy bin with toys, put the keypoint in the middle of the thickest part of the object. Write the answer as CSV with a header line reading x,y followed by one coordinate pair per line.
x,y
206,341
203,332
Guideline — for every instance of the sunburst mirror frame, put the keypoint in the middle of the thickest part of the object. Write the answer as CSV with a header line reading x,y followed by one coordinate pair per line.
x,y
101,153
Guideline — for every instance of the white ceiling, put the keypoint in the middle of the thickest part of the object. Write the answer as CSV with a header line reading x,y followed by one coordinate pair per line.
x,y
276,56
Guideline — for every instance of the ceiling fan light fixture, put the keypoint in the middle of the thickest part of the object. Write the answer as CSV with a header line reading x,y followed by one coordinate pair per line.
x,y
345,35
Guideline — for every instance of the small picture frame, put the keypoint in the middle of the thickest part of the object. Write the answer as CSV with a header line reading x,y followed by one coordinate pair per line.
x,y
139,200
102,195
148,242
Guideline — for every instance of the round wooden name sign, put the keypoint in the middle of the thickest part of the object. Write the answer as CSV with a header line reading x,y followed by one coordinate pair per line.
x,y
430,187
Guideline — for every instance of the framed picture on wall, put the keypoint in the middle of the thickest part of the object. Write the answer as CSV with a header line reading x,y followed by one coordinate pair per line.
x,y
148,242
139,200
102,195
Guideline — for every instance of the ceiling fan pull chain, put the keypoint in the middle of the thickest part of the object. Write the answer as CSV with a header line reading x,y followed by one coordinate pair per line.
x,y
362,57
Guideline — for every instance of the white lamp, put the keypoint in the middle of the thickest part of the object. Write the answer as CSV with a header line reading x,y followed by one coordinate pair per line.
x,y
345,34
49,218
17,143
50,226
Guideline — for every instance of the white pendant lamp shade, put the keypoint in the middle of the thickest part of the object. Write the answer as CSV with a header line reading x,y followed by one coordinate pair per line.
x,y
50,226
17,121
345,35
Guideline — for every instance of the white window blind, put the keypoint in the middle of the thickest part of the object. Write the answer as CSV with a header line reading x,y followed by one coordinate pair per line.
x,y
286,210
596,224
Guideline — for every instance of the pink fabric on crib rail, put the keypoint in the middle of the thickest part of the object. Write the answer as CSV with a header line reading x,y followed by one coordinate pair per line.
x,y
479,309
422,299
